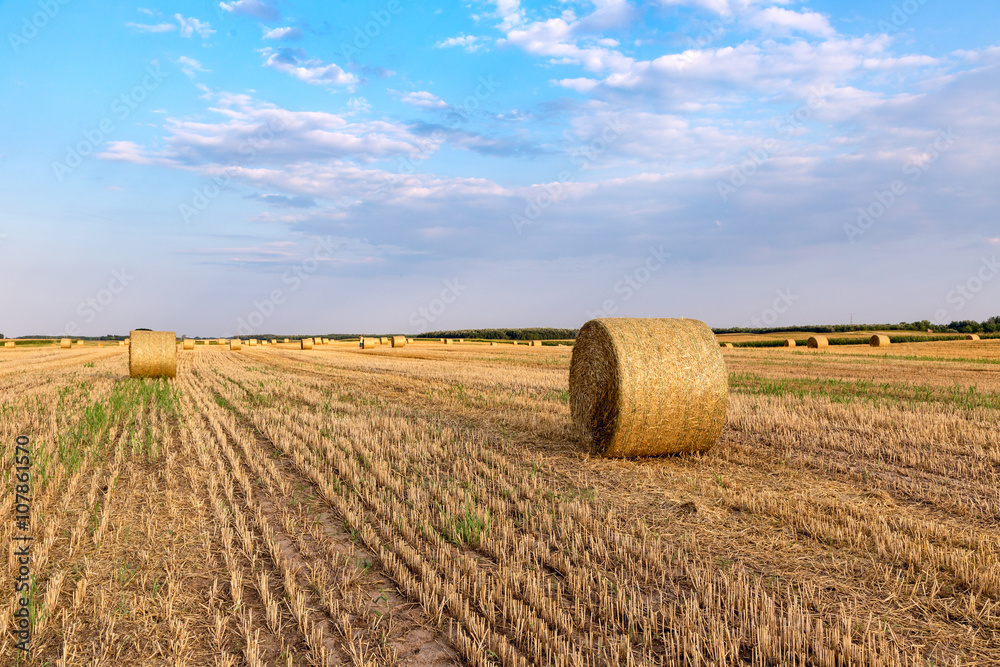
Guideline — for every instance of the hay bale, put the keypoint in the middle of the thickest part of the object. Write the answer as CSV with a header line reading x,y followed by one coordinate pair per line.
x,y
493,344
972,337
644,387
306,344
399,341
121,343
235,344
65,343
727,345
383,341
535,343
818,342
369,343
447,341
188,344
152,354
789,342
879,341
286,340
252,342
80,343
8,343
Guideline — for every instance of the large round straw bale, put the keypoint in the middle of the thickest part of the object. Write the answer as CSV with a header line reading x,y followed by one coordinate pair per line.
x,y
8,343
383,341
879,340
152,354
252,342
286,340
235,344
398,341
817,342
188,344
789,342
121,343
972,337
65,343
535,343
81,342
643,387
369,343
447,341
306,343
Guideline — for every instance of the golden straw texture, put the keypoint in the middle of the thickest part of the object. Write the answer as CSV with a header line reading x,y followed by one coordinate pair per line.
x,y
535,343
727,345
644,387
188,344
306,344
447,341
972,337
399,341
818,342
789,342
65,343
369,343
879,341
8,343
235,344
152,354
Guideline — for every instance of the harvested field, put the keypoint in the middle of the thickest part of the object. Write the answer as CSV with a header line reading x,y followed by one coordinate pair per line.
x,y
430,505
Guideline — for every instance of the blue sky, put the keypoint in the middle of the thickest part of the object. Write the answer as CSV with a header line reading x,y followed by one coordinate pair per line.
x,y
263,166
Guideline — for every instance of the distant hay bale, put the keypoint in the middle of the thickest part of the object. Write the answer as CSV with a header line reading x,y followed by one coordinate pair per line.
x,y
65,343
493,344
644,387
188,344
8,343
252,342
306,344
80,343
789,342
369,343
727,345
818,342
383,341
972,337
879,341
447,341
152,354
286,340
535,343
223,341
121,343
235,344
399,341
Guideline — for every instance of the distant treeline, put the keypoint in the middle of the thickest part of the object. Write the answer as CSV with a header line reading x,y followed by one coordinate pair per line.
x,y
857,340
537,333
991,325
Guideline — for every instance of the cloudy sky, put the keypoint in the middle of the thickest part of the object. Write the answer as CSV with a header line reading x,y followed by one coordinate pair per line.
x,y
391,166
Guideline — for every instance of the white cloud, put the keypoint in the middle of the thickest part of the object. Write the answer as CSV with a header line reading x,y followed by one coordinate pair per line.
x,y
158,27
189,66
786,19
470,43
424,100
312,71
286,33
189,26
256,8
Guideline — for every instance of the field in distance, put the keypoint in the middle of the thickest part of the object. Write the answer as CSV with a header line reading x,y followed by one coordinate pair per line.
x,y
431,505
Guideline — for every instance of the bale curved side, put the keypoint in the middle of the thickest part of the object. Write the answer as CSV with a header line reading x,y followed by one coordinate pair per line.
x,y
972,337
727,345
644,387
152,354
235,344
399,341
306,344
879,340
789,342
818,342
188,344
